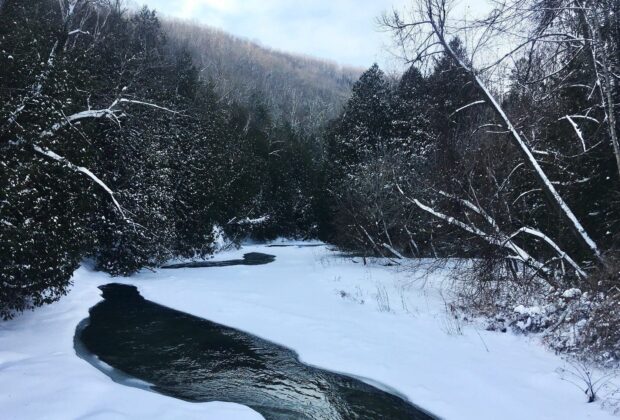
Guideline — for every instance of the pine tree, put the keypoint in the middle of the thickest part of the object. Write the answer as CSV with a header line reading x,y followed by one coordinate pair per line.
x,y
411,113
365,124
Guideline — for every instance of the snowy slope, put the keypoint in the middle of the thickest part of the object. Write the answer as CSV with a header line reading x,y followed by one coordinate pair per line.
x,y
372,322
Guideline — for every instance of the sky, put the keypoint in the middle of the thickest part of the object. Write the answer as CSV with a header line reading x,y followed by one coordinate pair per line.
x,y
344,31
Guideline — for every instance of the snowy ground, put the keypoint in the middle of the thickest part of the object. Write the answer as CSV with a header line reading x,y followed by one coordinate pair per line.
x,y
376,323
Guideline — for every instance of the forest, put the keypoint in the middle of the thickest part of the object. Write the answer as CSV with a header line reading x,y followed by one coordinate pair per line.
x,y
128,139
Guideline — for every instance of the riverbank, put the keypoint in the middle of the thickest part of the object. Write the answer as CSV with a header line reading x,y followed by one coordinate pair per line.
x,y
374,322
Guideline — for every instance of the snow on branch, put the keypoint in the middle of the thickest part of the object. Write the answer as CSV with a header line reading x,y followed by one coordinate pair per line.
x,y
377,248
526,230
499,239
112,112
393,251
519,253
552,244
78,31
582,117
472,207
80,116
523,194
436,19
467,106
577,131
7,223
54,156
247,221
147,104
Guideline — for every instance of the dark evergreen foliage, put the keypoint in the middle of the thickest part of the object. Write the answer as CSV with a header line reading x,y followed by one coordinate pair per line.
x,y
113,148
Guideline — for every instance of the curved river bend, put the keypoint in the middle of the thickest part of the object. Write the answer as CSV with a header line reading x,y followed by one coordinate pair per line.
x,y
193,359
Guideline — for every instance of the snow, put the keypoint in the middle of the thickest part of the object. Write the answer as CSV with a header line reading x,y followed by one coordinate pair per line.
x,y
386,325
467,106
530,311
41,377
522,144
577,131
571,293
248,221
219,238
85,171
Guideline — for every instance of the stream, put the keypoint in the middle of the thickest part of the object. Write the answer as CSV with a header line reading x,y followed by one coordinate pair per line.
x,y
183,356
252,258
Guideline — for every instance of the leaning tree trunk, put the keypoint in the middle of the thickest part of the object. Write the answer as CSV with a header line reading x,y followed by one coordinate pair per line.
x,y
553,197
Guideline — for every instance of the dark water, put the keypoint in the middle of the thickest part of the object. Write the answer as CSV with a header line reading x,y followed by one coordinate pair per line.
x,y
296,246
193,359
252,258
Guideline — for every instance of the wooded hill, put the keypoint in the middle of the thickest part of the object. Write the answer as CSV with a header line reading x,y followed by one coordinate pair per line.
x,y
305,91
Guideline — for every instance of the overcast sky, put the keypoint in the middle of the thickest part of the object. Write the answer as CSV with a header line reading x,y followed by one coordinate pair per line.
x,y
344,31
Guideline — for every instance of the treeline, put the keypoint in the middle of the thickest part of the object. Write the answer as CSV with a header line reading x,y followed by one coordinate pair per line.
x,y
115,146
425,167
429,138
523,175
130,145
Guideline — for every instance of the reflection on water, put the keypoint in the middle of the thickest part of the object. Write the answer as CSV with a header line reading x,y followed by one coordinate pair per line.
x,y
193,359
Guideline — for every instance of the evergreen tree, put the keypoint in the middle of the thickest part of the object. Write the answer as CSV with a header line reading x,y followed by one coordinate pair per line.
x,y
365,124
411,113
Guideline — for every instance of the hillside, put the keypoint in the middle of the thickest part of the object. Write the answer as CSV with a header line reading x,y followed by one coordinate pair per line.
x,y
303,90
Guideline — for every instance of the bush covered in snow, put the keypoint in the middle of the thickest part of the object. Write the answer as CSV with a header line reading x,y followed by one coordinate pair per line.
x,y
582,323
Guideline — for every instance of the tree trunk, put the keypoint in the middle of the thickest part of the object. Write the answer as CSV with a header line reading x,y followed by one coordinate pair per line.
x,y
553,197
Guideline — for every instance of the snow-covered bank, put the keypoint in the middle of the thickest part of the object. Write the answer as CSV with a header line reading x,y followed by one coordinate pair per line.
x,y
41,377
371,322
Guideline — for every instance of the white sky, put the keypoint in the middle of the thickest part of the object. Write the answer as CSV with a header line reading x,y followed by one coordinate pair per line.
x,y
344,31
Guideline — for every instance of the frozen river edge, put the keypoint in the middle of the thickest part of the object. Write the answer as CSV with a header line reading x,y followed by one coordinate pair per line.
x,y
370,322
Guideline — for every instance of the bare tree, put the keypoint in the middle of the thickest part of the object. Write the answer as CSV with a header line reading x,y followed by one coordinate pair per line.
x,y
428,33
